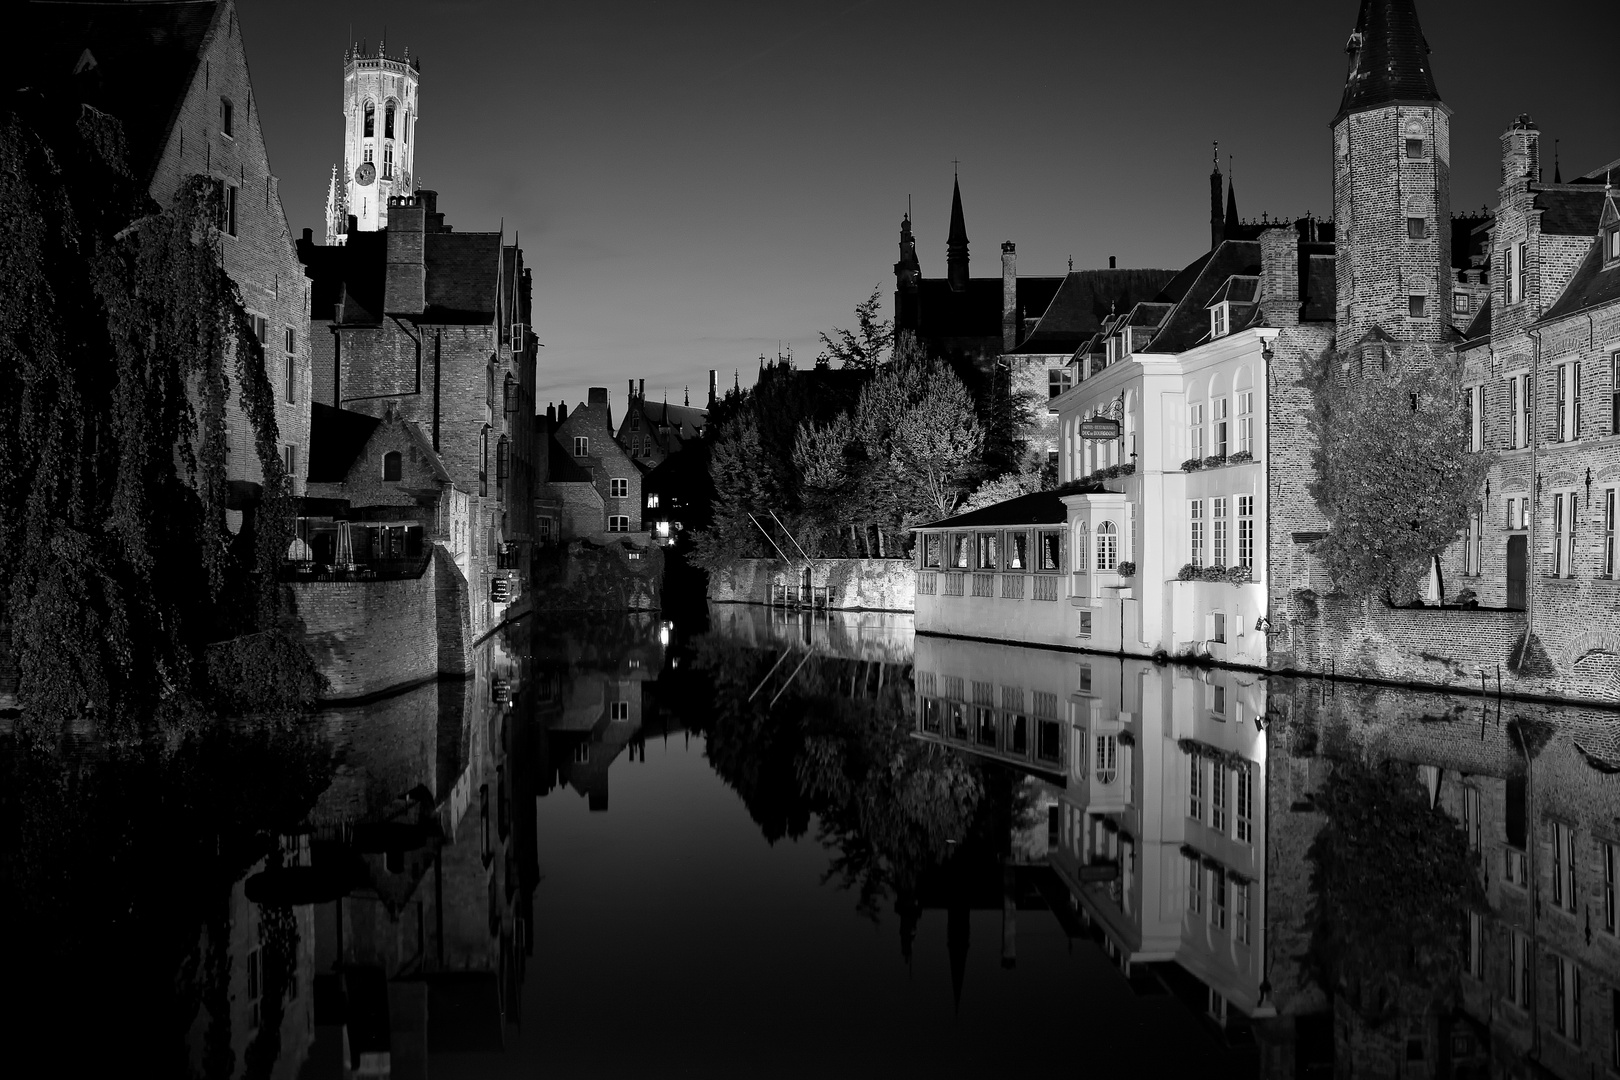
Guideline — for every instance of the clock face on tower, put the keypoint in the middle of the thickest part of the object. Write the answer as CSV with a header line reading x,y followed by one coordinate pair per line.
x,y
366,173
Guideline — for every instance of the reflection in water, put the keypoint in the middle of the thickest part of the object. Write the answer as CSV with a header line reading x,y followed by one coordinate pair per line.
x,y
1286,878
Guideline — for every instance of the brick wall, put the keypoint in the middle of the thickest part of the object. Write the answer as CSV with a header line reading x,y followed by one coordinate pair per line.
x,y
260,258
1440,647
369,636
607,461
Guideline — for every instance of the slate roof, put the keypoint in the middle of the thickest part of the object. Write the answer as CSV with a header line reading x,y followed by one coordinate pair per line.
x,y
1569,212
562,468
336,437
463,284
1480,328
1601,174
142,58
685,419
1392,61
1039,508
1188,324
1083,299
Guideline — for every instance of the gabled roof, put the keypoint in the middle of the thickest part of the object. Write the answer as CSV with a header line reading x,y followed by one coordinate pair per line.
x,y
1150,316
1083,299
1188,324
686,420
135,61
336,437
1038,508
1591,286
1389,58
462,276
1237,289
1479,328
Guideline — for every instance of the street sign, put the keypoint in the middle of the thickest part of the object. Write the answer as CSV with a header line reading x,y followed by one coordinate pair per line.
x,y
1099,429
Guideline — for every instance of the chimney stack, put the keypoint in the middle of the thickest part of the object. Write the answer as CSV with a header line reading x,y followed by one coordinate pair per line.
x,y
641,390
551,414
1111,262
562,412
630,390
1521,151
714,384
405,286
1009,296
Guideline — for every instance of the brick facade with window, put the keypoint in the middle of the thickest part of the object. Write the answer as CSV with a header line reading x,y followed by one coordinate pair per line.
x,y
610,506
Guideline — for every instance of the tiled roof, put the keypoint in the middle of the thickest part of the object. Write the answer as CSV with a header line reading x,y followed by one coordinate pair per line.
x,y
140,63
1569,212
336,437
1390,62
1039,508
1591,286
1083,299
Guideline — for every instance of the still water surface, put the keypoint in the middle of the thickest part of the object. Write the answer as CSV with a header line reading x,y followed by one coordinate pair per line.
x,y
802,846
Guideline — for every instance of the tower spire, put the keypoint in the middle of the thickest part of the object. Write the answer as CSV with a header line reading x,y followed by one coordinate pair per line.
x,y
1217,229
1232,222
956,244
1389,58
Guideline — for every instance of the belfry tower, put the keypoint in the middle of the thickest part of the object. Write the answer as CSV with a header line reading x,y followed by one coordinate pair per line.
x,y
1392,182
379,139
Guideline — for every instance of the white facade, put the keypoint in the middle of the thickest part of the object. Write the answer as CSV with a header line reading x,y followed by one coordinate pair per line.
x,y
1206,403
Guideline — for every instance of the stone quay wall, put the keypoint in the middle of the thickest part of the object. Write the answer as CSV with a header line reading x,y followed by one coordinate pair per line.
x,y
370,636
582,575
851,584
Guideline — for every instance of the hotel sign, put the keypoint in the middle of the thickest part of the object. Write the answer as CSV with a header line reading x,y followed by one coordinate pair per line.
x,y
1099,430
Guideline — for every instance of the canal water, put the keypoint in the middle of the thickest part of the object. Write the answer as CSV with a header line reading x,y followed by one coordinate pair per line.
x,y
749,843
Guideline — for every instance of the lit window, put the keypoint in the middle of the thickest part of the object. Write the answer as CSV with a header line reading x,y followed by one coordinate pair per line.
x,y
652,502
988,551
582,446
619,488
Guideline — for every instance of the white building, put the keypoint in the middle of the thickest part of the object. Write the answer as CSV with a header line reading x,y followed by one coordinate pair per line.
x,y
1157,537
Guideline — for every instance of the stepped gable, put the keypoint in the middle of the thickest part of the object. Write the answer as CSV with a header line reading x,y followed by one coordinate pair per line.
x,y
1389,58
133,61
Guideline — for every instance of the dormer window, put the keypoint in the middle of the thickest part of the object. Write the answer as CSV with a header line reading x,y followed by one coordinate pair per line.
x,y
1124,343
1112,350
1220,320
1611,243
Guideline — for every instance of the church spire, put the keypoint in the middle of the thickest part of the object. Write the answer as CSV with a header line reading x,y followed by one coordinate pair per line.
x,y
1231,228
956,244
1217,225
1389,58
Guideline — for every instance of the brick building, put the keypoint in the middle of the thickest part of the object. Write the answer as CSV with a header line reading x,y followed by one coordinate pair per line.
x,y
175,74
653,430
430,326
1542,360
610,506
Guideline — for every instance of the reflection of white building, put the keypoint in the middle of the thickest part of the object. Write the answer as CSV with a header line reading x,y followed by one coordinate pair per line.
x,y
1155,799
1156,537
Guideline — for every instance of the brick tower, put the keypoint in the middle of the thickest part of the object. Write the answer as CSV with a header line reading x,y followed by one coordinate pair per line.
x,y
379,140
1392,182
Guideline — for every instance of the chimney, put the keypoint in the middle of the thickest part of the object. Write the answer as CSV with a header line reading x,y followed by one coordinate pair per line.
x,y
562,412
641,390
1521,151
405,287
1009,296
1110,262
630,391
551,413
714,383
1279,276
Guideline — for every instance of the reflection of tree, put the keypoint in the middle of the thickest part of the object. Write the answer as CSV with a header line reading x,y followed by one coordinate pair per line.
x,y
1391,879
892,809
120,865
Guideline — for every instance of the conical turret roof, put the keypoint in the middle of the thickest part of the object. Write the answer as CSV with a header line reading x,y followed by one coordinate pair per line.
x,y
958,234
1389,58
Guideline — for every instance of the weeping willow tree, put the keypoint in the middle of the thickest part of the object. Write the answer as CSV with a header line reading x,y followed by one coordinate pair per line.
x,y
122,344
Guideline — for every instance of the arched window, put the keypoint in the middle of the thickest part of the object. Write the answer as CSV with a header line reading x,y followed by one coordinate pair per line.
x,y
1078,548
388,161
405,129
371,119
1107,546
392,465
489,387
510,395
388,120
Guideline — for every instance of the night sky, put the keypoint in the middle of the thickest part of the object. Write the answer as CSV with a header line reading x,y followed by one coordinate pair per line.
x,y
696,183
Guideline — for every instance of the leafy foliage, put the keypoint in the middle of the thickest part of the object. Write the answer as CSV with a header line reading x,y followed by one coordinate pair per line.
x,y
1393,472
865,347
122,344
1391,879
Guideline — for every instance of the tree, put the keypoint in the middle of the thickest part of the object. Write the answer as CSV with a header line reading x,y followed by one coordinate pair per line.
x,y
1394,475
866,346
121,342
936,446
